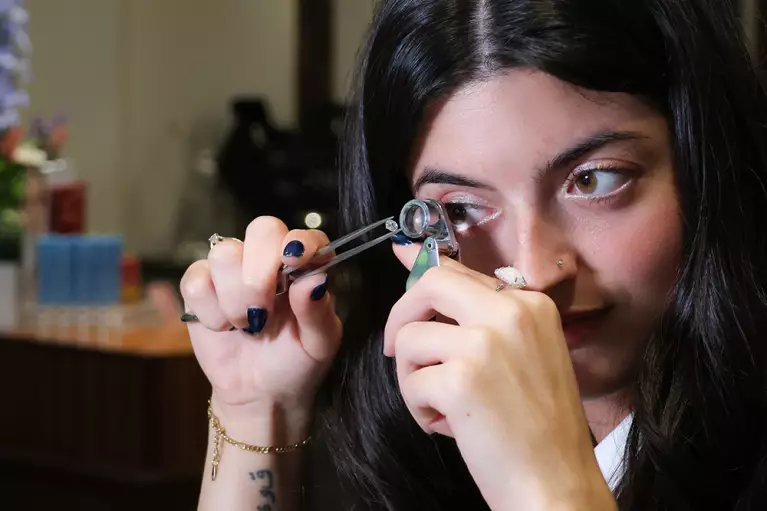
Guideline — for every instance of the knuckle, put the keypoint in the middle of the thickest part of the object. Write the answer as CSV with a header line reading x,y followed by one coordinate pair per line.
x,y
406,384
401,337
543,303
195,282
463,378
486,344
258,281
264,224
227,251
517,315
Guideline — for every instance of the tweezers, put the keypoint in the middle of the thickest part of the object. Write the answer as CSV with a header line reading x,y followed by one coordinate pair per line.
x,y
288,275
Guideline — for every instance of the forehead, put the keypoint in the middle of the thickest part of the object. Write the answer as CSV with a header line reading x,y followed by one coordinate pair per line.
x,y
522,118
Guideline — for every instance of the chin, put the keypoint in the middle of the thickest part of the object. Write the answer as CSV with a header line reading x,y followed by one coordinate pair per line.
x,y
601,372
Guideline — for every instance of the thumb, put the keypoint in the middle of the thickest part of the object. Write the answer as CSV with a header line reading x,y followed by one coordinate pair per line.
x,y
406,251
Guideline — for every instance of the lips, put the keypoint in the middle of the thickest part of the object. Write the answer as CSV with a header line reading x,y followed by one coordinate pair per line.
x,y
579,326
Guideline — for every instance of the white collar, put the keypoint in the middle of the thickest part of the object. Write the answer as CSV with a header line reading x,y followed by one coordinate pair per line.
x,y
610,450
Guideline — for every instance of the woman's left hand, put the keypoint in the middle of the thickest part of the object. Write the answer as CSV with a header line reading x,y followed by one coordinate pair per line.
x,y
501,383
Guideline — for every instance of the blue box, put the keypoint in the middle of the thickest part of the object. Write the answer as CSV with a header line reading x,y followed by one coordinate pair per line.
x,y
54,270
79,270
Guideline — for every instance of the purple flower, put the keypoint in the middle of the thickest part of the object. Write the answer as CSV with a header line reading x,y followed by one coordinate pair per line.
x,y
6,5
9,119
14,67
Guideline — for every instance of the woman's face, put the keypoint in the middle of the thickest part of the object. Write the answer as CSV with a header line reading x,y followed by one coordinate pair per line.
x,y
576,190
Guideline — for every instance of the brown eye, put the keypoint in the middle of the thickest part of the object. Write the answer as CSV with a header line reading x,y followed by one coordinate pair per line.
x,y
464,216
598,182
586,182
457,213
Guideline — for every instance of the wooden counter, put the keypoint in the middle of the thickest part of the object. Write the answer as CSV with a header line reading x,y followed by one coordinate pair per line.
x,y
95,422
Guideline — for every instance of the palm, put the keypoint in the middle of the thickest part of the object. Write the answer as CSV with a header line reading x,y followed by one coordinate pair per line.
x,y
241,367
300,335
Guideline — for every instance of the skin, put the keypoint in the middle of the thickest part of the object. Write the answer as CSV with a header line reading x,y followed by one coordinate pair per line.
x,y
619,239
515,386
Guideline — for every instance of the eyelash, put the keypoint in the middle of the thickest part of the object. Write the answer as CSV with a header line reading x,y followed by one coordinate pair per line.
x,y
598,199
468,204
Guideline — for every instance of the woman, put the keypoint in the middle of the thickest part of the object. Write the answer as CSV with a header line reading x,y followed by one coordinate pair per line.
x,y
613,153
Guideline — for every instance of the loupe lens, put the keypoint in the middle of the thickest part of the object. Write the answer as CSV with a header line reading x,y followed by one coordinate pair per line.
x,y
422,218
414,220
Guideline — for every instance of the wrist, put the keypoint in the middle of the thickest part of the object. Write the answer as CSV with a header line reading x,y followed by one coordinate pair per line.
x,y
266,423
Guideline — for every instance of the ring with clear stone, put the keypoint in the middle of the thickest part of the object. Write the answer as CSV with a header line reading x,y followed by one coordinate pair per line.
x,y
510,277
215,239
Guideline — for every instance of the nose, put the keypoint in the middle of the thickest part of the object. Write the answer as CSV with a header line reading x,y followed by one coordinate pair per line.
x,y
543,253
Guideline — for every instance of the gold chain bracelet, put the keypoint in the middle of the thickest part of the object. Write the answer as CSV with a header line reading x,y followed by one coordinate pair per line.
x,y
220,435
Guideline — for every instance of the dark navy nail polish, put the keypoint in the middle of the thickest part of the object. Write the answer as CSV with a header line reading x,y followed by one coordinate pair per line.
x,y
256,320
294,249
401,240
319,291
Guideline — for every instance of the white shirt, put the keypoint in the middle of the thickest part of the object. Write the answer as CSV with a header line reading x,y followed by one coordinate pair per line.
x,y
610,450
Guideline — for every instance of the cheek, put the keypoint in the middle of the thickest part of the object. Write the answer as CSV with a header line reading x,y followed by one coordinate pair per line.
x,y
481,252
639,250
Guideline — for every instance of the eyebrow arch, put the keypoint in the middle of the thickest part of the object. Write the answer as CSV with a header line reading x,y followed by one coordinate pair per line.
x,y
587,146
431,175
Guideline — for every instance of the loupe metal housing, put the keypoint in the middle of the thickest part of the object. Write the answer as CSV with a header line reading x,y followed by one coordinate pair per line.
x,y
427,218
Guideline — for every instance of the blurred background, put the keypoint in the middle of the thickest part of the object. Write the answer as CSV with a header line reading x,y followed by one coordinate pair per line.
x,y
130,131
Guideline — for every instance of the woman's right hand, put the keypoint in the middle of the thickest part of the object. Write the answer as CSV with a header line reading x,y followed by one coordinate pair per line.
x,y
259,351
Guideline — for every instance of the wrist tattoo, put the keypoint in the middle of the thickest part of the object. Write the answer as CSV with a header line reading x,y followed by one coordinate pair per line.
x,y
266,478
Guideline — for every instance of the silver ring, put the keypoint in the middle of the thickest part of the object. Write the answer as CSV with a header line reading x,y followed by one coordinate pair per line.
x,y
215,239
510,277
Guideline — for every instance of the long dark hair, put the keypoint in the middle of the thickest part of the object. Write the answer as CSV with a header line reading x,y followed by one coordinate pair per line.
x,y
698,438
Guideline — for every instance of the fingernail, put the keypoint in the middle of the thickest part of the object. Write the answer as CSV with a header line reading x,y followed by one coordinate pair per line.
x,y
256,320
401,240
319,291
294,249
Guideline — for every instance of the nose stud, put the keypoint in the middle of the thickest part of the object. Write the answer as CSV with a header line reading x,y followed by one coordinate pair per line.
x,y
560,262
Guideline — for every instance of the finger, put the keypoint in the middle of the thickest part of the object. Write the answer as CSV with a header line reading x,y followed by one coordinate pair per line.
x,y
447,291
301,245
407,255
200,298
319,328
225,263
423,393
423,344
261,262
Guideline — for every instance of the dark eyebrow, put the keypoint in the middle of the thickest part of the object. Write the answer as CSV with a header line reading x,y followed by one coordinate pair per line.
x,y
431,175
585,147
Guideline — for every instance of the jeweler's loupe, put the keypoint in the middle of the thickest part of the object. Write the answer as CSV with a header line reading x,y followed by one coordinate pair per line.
x,y
420,220
427,218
